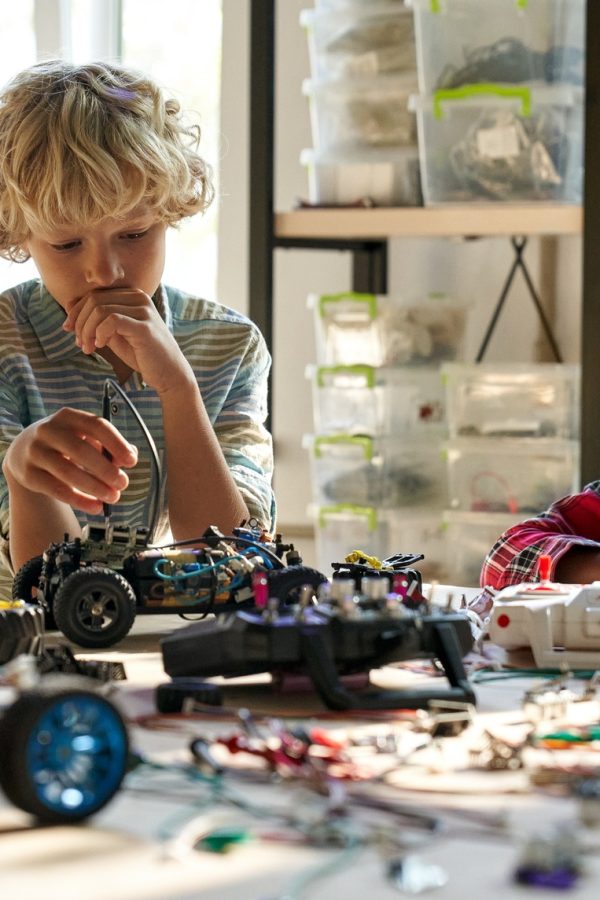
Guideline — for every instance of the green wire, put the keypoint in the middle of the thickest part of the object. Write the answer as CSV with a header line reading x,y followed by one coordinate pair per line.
x,y
587,735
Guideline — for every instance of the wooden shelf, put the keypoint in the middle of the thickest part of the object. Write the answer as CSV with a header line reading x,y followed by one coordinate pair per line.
x,y
441,221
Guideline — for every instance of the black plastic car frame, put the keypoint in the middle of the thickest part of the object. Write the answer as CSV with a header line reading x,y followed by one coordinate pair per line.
x,y
92,587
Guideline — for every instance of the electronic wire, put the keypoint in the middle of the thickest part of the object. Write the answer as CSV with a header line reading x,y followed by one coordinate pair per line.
x,y
154,457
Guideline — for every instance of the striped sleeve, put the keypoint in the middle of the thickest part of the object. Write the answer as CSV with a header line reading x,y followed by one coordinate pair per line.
x,y
10,427
240,428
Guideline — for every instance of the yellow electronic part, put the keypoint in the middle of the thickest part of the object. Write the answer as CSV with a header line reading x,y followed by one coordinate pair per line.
x,y
357,556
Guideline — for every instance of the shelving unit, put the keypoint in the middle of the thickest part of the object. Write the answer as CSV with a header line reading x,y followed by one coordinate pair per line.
x,y
365,232
489,220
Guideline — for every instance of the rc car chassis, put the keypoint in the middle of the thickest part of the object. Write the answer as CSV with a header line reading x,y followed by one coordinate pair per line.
x,y
93,587
327,641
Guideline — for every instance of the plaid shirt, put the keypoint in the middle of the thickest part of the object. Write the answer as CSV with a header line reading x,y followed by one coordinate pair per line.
x,y
573,520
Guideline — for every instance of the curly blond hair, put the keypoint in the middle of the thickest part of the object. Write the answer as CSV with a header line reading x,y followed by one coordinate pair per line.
x,y
82,143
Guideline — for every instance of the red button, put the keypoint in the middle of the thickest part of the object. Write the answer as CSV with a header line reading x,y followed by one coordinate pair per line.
x,y
503,621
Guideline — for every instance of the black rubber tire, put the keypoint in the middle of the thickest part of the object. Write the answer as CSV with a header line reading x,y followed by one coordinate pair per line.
x,y
27,579
21,631
18,727
103,589
170,695
285,584
25,583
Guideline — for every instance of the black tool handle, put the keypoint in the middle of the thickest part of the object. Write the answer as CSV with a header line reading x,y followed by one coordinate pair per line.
x,y
106,415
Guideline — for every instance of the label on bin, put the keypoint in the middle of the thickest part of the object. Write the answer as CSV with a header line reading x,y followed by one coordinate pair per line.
x,y
498,143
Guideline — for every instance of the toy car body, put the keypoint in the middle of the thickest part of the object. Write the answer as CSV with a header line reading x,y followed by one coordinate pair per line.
x,y
94,586
559,622
326,641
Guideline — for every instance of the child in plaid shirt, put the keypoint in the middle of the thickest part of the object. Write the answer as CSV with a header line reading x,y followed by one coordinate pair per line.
x,y
568,532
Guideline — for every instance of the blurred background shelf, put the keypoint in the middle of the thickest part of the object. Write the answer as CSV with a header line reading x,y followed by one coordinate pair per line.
x,y
365,233
489,220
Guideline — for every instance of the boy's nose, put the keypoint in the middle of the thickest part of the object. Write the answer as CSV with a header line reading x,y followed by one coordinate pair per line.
x,y
104,271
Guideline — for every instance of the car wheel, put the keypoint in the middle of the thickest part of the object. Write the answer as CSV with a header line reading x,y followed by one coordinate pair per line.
x,y
95,607
21,631
25,584
64,750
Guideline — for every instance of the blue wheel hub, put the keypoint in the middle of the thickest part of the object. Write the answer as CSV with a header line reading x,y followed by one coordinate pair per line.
x,y
76,754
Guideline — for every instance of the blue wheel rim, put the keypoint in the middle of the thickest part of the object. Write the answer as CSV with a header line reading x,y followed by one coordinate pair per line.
x,y
76,754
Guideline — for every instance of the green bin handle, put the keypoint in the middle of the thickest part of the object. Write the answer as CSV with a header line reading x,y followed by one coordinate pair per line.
x,y
368,512
357,440
436,5
369,299
473,90
359,369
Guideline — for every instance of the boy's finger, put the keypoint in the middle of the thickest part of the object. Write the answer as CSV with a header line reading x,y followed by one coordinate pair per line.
x,y
79,464
73,486
82,309
74,433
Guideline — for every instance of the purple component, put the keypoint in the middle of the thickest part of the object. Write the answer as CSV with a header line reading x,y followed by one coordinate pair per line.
x,y
294,682
554,878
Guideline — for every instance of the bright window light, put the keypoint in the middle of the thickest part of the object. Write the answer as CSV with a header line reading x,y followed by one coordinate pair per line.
x,y
179,45
18,51
18,39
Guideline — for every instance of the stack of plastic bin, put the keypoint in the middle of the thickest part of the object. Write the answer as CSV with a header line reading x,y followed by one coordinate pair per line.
x,y
379,475
500,108
363,72
512,450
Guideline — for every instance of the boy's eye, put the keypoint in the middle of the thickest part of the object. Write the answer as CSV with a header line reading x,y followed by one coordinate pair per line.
x,y
68,245
136,235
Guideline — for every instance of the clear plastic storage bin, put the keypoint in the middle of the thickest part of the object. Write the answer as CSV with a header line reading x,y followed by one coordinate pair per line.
x,y
341,528
383,176
361,112
361,39
383,472
538,400
420,533
469,538
522,477
459,42
386,330
331,5
501,143
377,400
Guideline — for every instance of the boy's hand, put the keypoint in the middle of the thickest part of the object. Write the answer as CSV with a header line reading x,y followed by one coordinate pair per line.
x,y
126,321
62,457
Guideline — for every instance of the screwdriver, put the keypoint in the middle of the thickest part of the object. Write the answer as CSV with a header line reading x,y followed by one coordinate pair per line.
x,y
105,452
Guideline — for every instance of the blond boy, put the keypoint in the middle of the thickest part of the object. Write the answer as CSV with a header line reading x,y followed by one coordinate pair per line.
x,y
95,165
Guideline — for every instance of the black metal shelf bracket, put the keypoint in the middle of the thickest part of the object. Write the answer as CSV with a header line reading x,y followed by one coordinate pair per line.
x,y
519,244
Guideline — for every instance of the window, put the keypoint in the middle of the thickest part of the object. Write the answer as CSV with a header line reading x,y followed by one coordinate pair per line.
x,y
184,55
179,45
18,51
